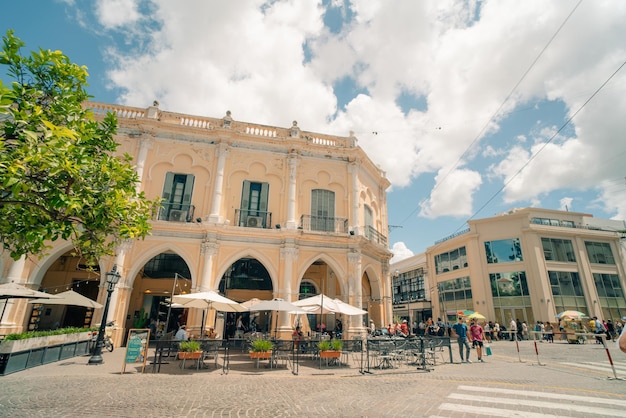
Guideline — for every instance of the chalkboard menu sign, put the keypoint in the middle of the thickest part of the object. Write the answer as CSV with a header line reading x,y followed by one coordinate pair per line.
x,y
137,347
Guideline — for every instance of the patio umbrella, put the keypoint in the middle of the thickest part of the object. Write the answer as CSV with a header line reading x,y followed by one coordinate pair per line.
x,y
250,302
17,291
319,304
276,305
208,300
347,309
69,298
572,314
475,315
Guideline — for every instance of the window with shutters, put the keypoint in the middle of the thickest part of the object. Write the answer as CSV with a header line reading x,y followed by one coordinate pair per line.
x,y
254,204
322,210
177,192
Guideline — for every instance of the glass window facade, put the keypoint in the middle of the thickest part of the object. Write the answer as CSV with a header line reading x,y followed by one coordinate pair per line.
x,y
503,251
511,297
455,295
556,249
409,286
567,291
611,296
599,252
453,260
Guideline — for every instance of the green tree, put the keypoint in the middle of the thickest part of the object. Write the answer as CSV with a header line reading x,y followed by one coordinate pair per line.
x,y
59,176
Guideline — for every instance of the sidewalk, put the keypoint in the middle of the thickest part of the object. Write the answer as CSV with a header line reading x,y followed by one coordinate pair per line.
x,y
505,363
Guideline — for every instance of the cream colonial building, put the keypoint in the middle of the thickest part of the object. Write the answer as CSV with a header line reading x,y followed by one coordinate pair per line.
x,y
530,264
248,210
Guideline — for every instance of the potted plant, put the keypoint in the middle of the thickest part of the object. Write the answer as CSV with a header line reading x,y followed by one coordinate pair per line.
x,y
261,349
189,350
330,349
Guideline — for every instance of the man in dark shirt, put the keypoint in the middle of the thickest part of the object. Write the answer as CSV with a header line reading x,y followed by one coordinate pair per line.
x,y
460,328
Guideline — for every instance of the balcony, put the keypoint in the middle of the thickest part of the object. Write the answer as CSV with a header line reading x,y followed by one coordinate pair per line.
x,y
253,218
373,235
324,224
173,212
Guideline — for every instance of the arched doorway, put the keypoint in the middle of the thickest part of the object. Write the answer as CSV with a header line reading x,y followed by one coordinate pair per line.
x,y
163,275
245,279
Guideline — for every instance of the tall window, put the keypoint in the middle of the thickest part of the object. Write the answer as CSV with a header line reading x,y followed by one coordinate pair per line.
x,y
254,198
556,249
599,252
455,295
567,291
177,191
322,210
611,295
452,260
369,221
511,297
503,251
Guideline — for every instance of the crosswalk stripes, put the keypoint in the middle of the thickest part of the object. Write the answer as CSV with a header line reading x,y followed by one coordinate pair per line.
x,y
480,400
620,368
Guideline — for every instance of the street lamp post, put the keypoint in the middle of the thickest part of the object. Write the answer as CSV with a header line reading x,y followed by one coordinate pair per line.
x,y
112,278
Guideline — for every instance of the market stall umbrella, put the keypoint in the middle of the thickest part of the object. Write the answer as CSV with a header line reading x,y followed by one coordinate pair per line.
x,y
17,291
69,298
250,302
465,312
476,315
572,314
347,309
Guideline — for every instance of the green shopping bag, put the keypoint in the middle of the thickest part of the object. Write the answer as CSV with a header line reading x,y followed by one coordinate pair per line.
x,y
488,349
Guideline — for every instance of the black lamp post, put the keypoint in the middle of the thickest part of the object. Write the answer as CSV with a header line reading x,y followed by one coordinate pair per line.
x,y
112,278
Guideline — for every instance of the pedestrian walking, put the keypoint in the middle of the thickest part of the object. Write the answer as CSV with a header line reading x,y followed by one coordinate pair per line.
x,y
462,339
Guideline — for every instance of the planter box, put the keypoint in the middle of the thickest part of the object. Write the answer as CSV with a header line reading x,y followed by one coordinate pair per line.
x,y
16,346
330,354
260,354
17,355
189,355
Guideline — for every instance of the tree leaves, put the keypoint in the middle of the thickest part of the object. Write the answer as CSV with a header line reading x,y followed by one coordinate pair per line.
x,y
59,176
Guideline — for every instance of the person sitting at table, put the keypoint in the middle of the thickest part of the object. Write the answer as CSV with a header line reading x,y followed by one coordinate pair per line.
x,y
404,329
181,334
211,334
297,334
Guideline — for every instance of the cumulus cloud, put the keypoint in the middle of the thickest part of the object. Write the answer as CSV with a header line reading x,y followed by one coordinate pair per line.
x,y
400,252
466,62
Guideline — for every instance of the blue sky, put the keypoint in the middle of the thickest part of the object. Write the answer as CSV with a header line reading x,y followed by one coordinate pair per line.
x,y
464,104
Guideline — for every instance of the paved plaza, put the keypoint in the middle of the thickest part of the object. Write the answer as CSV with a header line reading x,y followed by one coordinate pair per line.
x,y
564,380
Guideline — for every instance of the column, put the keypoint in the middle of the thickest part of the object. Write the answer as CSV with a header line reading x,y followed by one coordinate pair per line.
x,y
293,162
120,259
353,169
15,275
208,250
288,257
216,202
355,295
144,145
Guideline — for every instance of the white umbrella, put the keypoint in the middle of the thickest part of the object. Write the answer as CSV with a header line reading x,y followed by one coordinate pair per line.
x,y
69,298
319,304
17,291
277,304
347,309
208,300
250,302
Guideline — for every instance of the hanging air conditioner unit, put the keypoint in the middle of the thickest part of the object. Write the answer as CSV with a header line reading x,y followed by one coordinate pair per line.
x,y
177,215
254,222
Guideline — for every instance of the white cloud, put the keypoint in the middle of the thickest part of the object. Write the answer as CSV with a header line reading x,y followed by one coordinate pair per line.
x,y
566,204
208,57
400,252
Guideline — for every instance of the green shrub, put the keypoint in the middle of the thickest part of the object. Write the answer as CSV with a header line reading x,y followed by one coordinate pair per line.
x,y
189,346
336,344
33,334
261,345
324,345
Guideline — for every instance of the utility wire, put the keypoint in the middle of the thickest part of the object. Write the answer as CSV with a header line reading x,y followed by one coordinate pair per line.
x,y
532,157
506,99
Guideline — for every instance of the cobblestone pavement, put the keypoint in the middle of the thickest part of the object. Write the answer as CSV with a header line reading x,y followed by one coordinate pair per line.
x,y
564,380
